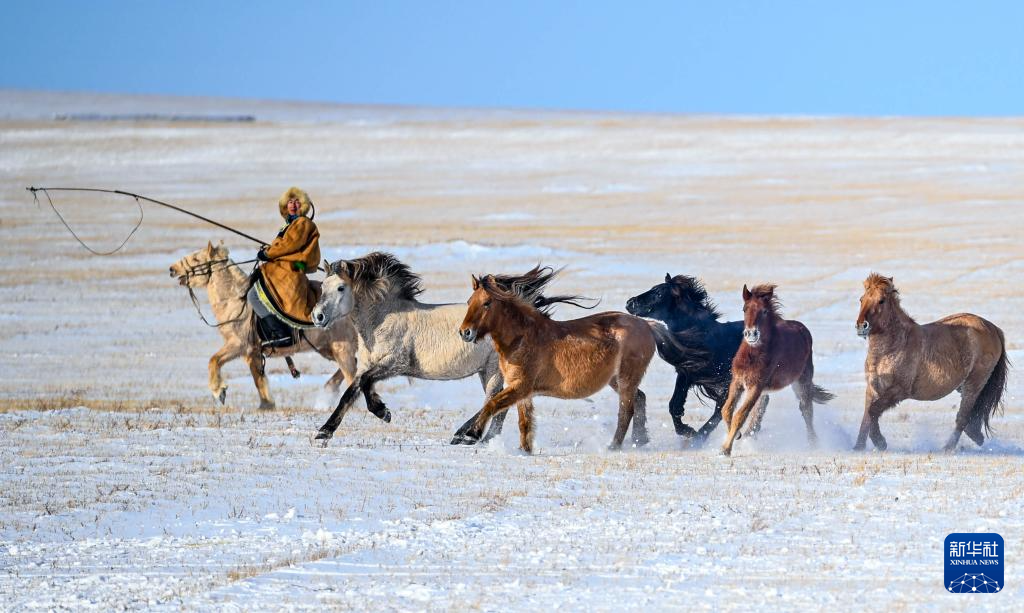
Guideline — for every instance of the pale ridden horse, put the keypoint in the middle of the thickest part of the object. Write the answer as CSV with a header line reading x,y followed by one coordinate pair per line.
x,y
226,286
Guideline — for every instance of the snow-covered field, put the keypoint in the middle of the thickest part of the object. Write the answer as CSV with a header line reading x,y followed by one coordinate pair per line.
x,y
124,484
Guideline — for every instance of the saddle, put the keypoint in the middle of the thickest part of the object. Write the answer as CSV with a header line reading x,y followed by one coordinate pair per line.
x,y
274,333
276,330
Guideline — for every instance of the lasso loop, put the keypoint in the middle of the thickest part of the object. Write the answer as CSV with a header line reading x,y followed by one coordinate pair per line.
x,y
138,224
138,202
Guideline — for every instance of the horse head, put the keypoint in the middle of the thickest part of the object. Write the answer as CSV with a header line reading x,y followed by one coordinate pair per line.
x,y
880,297
679,298
480,315
195,269
336,300
656,303
760,307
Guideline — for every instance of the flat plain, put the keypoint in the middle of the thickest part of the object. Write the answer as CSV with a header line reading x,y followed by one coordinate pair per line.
x,y
126,484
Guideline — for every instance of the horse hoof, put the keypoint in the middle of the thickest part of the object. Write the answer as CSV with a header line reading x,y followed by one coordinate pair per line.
x,y
322,436
641,440
615,447
725,452
684,430
381,412
267,405
465,438
222,395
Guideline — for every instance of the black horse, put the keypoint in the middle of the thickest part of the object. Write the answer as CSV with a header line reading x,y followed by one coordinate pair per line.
x,y
683,304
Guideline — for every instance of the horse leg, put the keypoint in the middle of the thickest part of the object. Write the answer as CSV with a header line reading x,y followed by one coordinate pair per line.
x,y
291,367
327,430
492,382
224,355
368,377
343,353
969,393
629,393
472,431
640,435
874,405
758,417
676,407
374,404
259,377
750,396
735,391
334,383
526,425
976,420
804,388
713,421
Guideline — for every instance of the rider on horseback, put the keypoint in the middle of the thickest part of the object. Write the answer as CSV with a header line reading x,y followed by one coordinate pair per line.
x,y
281,295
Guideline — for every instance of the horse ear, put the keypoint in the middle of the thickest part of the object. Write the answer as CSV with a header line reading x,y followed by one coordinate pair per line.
x,y
746,293
221,243
476,282
771,291
327,267
209,247
668,278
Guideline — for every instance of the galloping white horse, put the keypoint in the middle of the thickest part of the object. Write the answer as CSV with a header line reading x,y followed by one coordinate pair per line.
x,y
398,335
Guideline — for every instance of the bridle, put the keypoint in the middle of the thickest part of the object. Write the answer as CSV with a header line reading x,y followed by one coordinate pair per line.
x,y
205,269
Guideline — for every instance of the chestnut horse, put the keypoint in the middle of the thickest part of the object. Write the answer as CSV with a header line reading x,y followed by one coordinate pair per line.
x,y
961,352
563,359
775,352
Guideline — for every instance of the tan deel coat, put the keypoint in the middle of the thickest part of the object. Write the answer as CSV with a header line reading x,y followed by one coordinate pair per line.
x,y
293,253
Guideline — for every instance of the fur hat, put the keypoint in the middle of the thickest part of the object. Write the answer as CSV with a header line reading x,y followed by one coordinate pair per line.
x,y
294,192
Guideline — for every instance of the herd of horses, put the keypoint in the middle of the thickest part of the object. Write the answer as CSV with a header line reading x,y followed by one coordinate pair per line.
x,y
370,322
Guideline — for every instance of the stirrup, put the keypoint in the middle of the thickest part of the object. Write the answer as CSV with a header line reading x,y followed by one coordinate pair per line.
x,y
277,343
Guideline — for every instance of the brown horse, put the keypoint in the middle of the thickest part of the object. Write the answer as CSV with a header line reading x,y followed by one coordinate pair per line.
x,y
563,359
775,352
961,352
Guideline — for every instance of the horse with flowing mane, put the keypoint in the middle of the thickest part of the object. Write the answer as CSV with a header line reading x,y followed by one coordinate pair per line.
x,y
907,360
398,334
775,353
563,359
706,365
226,286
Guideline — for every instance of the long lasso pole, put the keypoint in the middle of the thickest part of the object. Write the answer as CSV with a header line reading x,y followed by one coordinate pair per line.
x,y
147,199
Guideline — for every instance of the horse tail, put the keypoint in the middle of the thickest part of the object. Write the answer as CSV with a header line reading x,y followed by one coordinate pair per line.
x,y
821,395
991,397
675,352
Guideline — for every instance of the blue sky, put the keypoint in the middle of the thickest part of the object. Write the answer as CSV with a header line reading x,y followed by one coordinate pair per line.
x,y
831,58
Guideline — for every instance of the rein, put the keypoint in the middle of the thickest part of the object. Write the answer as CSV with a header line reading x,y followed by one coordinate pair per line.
x,y
206,269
